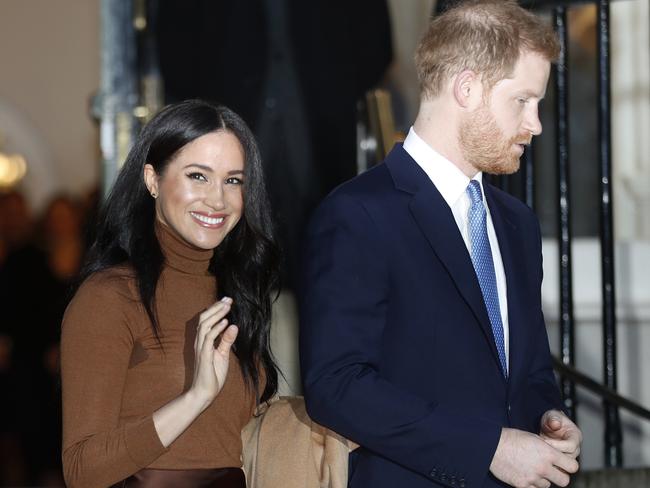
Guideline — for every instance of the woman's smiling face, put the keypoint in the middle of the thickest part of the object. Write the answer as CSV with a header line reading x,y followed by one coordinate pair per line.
x,y
199,194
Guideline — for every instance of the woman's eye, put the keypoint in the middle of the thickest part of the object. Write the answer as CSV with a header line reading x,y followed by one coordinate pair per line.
x,y
234,181
197,176
522,101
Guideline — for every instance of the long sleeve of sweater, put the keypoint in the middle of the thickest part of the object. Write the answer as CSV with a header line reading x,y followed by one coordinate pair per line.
x,y
97,342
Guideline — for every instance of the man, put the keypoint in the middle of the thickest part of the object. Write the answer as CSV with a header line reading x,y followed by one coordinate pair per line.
x,y
422,334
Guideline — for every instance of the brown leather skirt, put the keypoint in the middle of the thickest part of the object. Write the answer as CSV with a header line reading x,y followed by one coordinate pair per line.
x,y
185,478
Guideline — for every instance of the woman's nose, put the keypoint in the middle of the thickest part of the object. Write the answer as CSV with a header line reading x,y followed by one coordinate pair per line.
x,y
214,198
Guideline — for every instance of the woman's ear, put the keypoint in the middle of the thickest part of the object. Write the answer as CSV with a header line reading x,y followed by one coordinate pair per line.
x,y
151,180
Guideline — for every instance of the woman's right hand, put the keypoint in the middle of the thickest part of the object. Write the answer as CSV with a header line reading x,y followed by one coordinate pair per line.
x,y
210,362
210,370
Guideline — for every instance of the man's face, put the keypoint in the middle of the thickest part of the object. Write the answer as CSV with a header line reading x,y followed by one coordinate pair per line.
x,y
492,137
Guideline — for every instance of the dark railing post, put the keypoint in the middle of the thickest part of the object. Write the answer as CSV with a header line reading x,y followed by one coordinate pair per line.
x,y
567,347
613,435
114,104
528,176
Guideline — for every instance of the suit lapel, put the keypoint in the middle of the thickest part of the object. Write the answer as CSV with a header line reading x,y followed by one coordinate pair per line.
x,y
514,266
437,223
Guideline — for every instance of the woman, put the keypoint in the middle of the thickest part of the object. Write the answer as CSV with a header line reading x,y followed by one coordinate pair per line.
x,y
158,381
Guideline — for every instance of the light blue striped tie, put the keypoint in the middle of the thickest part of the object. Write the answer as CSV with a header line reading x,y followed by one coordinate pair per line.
x,y
484,266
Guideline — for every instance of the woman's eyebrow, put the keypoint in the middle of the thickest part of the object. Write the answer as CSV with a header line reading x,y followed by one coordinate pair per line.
x,y
199,166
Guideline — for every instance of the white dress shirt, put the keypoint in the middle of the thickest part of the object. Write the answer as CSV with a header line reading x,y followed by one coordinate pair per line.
x,y
452,184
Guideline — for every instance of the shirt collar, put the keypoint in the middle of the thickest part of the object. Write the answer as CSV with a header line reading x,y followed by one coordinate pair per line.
x,y
450,181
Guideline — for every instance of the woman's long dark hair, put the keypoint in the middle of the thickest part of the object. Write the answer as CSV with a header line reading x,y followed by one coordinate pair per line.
x,y
246,263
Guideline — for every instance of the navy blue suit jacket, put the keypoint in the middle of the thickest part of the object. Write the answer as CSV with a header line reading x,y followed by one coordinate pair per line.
x,y
397,351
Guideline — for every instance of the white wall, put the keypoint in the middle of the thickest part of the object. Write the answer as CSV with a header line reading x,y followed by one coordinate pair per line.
x,y
409,20
631,117
49,68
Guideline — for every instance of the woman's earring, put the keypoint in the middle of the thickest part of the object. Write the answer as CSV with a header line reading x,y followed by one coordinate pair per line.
x,y
154,194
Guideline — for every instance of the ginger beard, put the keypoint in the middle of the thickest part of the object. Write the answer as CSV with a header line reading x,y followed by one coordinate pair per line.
x,y
484,145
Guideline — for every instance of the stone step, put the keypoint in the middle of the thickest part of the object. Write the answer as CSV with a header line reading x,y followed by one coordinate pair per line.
x,y
613,478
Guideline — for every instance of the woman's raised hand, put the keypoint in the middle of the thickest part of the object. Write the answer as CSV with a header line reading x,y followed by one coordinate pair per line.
x,y
211,363
210,370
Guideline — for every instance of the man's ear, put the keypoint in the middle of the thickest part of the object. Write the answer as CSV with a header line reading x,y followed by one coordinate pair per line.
x,y
151,180
466,84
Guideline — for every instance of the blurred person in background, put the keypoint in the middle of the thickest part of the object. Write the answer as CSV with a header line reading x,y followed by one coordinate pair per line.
x,y
59,236
35,280
23,276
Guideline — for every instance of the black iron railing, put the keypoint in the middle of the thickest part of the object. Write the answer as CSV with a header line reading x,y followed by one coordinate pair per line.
x,y
567,334
525,190
613,436
611,396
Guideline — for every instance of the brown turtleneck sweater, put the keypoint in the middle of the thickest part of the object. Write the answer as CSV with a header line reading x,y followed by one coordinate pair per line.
x,y
115,374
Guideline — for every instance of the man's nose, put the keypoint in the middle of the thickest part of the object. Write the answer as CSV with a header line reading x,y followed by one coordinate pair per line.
x,y
532,123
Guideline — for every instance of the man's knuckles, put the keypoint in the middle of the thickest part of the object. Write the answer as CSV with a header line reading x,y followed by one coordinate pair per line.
x,y
574,466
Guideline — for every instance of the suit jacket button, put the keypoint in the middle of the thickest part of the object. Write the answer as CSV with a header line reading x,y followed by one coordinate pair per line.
x,y
434,473
461,483
452,480
443,477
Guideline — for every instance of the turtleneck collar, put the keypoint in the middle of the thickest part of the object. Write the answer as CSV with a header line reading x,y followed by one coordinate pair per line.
x,y
180,255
